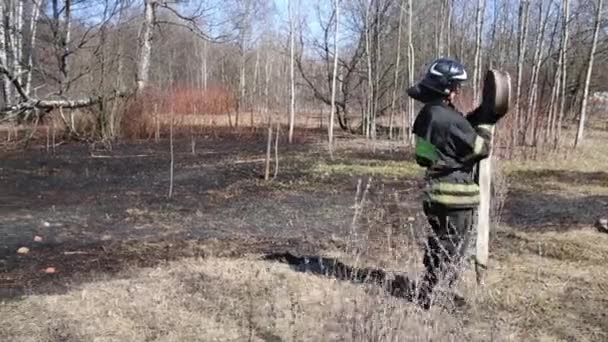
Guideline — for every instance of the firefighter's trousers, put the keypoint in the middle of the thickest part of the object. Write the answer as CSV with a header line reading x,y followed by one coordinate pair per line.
x,y
446,245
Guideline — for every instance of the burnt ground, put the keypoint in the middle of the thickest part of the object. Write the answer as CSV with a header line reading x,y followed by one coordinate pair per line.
x,y
107,223
100,210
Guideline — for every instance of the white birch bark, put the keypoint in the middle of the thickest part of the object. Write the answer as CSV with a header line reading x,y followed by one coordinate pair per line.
x,y
333,82
583,109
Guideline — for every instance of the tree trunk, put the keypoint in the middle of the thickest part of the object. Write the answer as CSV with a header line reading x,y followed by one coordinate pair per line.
x,y
33,31
411,62
440,33
524,10
254,91
333,82
448,39
145,45
64,64
478,41
242,83
397,70
4,48
370,82
17,39
292,79
583,108
564,72
530,124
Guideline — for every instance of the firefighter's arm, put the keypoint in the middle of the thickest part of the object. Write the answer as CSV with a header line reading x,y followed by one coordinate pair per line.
x,y
472,143
481,116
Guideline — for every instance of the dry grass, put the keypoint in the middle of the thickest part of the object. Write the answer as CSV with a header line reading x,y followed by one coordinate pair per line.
x,y
222,300
529,296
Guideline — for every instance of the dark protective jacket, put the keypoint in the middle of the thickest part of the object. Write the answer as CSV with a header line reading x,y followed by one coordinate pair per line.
x,y
449,145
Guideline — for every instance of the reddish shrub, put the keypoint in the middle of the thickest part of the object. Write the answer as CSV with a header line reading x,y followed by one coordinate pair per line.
x,y
143,112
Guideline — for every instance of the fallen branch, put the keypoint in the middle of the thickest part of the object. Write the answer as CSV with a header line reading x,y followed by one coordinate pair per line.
x,y
29,103
100,156
250,161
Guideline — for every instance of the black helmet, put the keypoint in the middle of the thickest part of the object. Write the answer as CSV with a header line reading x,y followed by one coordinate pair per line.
x,y
442,76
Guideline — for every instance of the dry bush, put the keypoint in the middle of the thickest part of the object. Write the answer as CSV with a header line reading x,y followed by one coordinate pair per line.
x,y
138,120
143,114
213,101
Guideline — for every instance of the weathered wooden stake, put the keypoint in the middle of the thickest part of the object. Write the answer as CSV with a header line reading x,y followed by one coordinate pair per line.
x,y
483,218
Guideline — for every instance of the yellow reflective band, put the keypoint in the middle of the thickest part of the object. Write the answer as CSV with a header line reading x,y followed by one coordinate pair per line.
x,y
478,145
455,200
450,188
487,128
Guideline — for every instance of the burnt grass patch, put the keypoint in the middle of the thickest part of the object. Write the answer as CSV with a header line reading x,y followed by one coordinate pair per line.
x,y
100,210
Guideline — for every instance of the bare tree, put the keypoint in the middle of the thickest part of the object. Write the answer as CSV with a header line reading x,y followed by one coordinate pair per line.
x,y
524,10
292,79
478,54
411,64
334,77
397,71
530,121
145,44
35,15
564,70
6,86
583,107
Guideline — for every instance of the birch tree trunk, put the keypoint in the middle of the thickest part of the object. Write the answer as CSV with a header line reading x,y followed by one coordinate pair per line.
x,y
524,10
33,31
440,33
411,62
145,45
292,79
17,39
478,41
64,64
242,84
583,108
448,39
4,47
254,91
529,124
370,82
564,72
333,82
396,77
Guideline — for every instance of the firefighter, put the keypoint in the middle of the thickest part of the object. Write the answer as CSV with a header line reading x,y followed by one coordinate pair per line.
x,y
449,145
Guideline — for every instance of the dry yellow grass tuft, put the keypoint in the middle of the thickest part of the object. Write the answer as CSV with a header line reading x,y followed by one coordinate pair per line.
x,y
221,300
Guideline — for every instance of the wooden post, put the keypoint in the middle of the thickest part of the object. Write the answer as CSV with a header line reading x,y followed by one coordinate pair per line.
x,y
483,217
